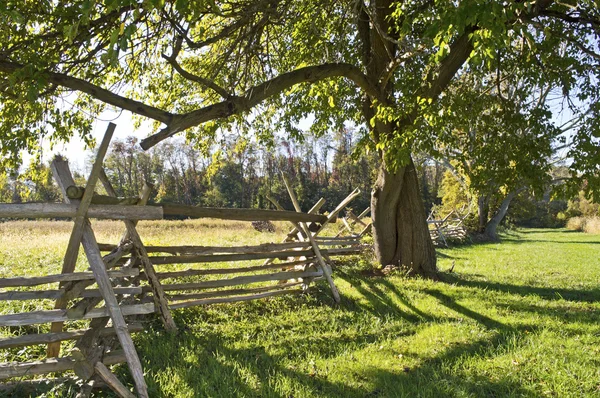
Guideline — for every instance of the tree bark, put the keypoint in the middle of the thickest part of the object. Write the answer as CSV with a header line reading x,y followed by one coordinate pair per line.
x,y
400,231
491,228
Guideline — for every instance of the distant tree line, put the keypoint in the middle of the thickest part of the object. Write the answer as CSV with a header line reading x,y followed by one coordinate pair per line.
x,y
246,174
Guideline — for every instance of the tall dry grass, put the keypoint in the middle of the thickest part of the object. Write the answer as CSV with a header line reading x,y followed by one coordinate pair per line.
x,y
590,225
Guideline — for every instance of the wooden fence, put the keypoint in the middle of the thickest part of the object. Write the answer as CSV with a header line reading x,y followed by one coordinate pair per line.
x,y
450,227
127,276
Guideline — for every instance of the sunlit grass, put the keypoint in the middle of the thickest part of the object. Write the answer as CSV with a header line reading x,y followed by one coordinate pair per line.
x,y
515,318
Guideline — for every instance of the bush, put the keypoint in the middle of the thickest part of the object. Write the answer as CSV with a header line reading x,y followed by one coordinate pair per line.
x,y
576,223
590,225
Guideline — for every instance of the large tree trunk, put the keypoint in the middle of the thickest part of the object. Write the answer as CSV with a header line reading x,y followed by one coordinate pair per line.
x,y
400,231
491,229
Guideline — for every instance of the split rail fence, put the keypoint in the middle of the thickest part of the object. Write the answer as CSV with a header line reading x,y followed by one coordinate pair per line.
x,y
125,280
450,227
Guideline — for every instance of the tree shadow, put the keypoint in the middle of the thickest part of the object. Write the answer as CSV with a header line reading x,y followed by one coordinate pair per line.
x,y
548,293
521,241
219,369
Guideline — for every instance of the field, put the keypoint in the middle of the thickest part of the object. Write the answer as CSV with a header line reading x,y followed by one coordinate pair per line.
x,y
516,318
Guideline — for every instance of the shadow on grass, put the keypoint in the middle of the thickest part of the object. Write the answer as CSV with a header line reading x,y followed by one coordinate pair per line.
x,y
521,241
205,362
547,293
220,369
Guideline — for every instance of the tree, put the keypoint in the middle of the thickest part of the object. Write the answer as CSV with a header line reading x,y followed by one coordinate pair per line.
x,y
203,66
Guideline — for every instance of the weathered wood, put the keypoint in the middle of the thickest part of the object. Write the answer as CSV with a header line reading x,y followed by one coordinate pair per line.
x,y
62,315
302,226
88,240
64,210
356,219
106,183
365,230
231,292
234,299
239,214
225,271
73,276
45,338
265,247
75,239
20,369
158,260
313,210
112,381
238,280
160,301
333,215
56,294
95,259
364,213
75,192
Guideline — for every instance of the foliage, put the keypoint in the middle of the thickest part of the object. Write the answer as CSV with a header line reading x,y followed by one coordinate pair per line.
x,y
200,66
582,205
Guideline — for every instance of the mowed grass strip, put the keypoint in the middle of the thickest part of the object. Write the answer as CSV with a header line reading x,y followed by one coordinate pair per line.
x,y
516,318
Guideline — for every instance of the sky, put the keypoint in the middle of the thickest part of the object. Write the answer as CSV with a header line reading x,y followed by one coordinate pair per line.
x,y
75,151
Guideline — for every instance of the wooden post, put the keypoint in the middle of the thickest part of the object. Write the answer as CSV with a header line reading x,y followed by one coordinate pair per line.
x,y
90,246
158,294
339,208
72,251
303,227
112,381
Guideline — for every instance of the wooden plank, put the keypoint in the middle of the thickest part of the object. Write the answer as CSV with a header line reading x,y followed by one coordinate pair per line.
x,y
56,294
238,280
356,219
20,369
239,214
72,251
302,226
265,247
231,292
106,183
158,260
75,192
160,301
45,338
364,213
73,276
333,215
225,271
62,315
64,210
65,179
112,306
193,303
112,381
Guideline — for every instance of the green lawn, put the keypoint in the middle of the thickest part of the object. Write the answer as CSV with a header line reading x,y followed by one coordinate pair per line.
x,y
516,318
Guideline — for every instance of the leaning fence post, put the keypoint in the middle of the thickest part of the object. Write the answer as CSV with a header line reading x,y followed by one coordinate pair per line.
x,y
304,228
72,251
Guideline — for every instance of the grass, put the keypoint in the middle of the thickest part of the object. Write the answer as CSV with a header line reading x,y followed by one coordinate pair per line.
x,y
513,319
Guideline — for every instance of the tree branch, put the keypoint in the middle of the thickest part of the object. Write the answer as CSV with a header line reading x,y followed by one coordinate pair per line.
x,y
257,94
95,91
172,60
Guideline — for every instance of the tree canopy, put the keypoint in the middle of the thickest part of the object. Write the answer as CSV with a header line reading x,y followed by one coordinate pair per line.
x,y
198,66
